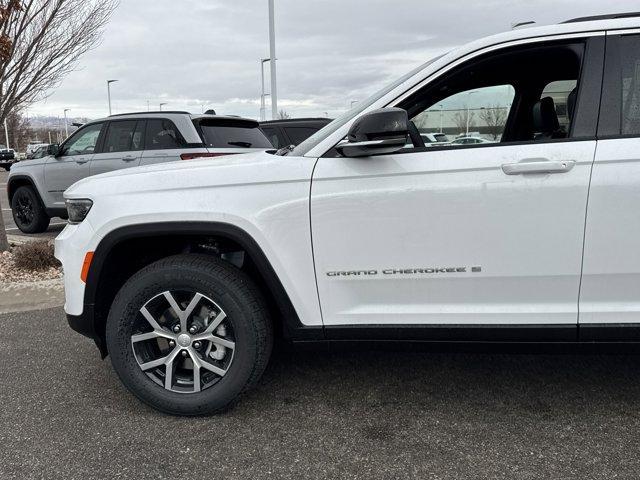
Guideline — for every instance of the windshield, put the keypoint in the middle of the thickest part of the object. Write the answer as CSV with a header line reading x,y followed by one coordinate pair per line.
x,y
358,108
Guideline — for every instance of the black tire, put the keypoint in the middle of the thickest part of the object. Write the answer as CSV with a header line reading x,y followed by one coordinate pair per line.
x,y
228,287
28,212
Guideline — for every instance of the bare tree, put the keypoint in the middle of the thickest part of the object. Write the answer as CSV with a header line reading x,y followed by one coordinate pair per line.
x,y
421,121
40,42
283,115
19,132
495,118
464,119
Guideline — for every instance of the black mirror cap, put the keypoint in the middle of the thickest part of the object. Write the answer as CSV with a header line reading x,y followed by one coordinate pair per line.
x,y
381,124
379,132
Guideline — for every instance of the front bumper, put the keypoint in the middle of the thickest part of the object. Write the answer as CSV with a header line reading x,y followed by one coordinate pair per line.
x,y
71,247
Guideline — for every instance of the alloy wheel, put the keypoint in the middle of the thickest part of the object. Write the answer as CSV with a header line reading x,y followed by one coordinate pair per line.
x,y
183,341
25,211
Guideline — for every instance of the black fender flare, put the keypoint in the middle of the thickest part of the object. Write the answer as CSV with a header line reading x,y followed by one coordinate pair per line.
x,y
292,326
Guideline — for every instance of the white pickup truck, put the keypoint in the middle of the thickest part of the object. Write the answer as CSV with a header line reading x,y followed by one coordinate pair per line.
x,y
184,272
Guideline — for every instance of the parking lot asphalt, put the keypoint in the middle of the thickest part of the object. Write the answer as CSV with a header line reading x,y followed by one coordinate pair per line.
x,y
56,226
321,415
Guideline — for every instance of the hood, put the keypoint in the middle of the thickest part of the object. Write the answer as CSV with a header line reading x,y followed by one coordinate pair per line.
x,y
26,164
251,168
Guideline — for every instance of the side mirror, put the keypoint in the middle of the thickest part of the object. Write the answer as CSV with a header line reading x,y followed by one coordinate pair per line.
x,y
378,132
53,150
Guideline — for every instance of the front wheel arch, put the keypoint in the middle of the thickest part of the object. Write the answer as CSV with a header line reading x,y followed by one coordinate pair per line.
x,y
112,266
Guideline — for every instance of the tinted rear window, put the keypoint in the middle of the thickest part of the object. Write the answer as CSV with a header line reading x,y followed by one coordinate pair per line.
x,y
222,136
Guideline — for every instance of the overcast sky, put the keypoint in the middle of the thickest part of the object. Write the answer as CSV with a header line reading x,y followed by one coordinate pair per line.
x,y
205,53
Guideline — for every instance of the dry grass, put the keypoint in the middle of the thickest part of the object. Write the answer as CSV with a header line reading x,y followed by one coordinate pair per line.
x,y
35,256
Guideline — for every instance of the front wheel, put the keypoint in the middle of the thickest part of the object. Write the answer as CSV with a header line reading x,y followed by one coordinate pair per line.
x,y
189,334
28,212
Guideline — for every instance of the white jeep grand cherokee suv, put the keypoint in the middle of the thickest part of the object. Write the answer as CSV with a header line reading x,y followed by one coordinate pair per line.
x,y
185,272
35,187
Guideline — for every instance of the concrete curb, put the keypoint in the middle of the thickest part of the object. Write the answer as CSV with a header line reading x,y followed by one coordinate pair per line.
x,y
23,296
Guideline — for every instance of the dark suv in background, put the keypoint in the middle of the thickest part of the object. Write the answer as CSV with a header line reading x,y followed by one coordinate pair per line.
x,y
7,157
282,133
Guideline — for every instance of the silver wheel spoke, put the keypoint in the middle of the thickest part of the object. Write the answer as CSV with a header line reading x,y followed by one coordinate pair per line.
x,y
196,370
145,336
176,308
168,375
154,363
212,368
217,340
192,304
152,321
215,323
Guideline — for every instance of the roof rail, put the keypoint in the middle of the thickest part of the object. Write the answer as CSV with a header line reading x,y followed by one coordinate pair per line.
x,y
611,16
144,113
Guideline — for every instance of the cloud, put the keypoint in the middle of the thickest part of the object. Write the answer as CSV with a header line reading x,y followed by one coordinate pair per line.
x,y
195,54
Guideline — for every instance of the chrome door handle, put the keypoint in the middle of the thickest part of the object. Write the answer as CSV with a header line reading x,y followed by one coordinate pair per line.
x,y
129,158
81,162
538,166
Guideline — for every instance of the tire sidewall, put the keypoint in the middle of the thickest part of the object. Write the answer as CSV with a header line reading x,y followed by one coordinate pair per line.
x,y
151,282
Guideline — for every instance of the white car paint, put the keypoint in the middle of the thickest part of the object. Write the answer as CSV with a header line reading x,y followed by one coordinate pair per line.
x,y
447,208
265,195
416,210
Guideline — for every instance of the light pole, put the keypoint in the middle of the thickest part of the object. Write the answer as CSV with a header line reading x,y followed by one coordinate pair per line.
x,y
162,105
272,54
263,113
468,113
109,82
441,114
66,124
6,133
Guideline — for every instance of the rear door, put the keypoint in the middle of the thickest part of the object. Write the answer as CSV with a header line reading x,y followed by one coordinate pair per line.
x,y
72,164
610,292
163,142
122,146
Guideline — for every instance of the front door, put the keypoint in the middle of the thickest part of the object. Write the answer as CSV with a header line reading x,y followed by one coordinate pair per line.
x,y
482,233
72,164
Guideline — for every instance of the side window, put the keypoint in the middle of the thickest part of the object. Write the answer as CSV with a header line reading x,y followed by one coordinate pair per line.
x,y
564,96
478,115
630,76
518,94
299,134
84,141
162,134
119,136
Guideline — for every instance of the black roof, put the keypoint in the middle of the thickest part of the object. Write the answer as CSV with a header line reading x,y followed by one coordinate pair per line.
x,y
611,16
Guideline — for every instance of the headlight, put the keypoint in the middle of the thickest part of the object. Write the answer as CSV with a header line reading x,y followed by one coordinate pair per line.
x,y
78,209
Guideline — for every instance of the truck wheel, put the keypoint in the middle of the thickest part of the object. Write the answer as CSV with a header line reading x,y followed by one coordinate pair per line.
x,y
28,212
189,334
